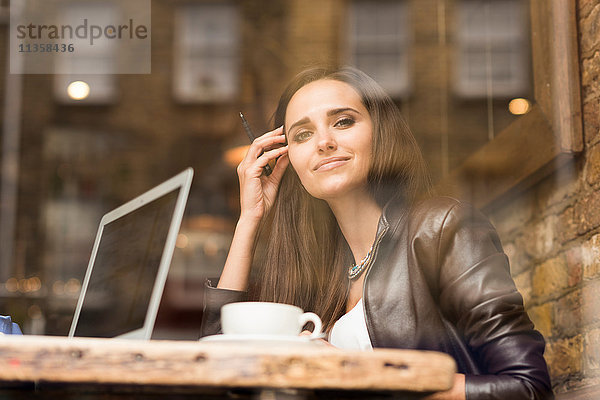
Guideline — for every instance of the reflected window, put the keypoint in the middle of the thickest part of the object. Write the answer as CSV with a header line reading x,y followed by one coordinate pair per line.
x,y
379,33
70,86
206,52
492,41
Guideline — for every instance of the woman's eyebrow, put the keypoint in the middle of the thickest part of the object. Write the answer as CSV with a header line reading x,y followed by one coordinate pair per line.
x,y
302,121
337,111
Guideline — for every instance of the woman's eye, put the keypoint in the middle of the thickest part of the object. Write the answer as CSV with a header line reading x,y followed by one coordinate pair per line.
x,y
344,122
301,136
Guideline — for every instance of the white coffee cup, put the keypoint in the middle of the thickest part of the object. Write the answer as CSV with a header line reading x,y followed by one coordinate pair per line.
x,y
264,318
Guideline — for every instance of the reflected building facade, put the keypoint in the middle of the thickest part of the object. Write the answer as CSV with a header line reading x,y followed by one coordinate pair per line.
x,y
91,142
452,66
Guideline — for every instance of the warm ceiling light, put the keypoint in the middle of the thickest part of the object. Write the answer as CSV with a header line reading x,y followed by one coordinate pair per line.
x,y
78,90
519,106
234,156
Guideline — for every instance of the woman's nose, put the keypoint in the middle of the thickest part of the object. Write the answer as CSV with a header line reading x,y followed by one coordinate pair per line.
x,y
326,141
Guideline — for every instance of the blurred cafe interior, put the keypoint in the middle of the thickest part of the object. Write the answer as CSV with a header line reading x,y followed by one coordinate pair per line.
x,y
503,97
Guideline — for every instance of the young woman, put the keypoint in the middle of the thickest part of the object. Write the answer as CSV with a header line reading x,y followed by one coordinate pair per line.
x,y
354,235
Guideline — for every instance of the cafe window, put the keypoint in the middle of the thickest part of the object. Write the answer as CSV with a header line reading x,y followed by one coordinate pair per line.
x,y
549,134
99,85
491,54
206,52
379,38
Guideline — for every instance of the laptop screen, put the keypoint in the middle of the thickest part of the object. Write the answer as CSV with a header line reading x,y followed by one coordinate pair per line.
x,y
125,269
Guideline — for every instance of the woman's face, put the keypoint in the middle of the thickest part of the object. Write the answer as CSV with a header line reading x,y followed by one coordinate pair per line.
x,y
329,133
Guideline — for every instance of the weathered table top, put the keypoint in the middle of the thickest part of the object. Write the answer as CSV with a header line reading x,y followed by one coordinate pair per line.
x,y
56,367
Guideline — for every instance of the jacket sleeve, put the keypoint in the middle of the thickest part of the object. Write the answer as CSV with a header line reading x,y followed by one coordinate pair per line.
x,y
478,295
214,299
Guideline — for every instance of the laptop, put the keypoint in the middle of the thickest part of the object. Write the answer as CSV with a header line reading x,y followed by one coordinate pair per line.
x,y
130,262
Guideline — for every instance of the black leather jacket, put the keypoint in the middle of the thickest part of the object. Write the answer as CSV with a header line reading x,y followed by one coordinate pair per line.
x,y
441,281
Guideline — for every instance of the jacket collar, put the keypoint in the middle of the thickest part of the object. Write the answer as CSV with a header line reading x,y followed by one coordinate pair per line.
x,y
391,215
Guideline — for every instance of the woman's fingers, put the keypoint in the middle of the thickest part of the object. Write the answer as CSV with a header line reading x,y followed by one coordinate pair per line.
x,y
270,155
256,189
257,148
268,136
276,131
255,168
267,140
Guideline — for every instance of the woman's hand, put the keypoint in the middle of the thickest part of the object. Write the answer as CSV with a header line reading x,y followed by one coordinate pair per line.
x,y
457,392
257,194
257,191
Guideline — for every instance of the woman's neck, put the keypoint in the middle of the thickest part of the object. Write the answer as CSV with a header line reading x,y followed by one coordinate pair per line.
x,y
357,216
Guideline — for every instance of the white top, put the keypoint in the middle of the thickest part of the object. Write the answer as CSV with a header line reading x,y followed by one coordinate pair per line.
x,y
350,331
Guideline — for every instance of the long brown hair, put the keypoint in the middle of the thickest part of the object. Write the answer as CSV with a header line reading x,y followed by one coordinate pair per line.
x,y
306,255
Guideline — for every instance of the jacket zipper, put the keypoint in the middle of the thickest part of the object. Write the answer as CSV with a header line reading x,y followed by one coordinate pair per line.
x,y
375,250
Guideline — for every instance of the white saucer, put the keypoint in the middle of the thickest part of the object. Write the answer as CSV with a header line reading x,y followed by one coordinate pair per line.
x,y
271,340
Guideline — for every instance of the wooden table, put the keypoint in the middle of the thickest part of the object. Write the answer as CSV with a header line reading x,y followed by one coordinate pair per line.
x,y
33,367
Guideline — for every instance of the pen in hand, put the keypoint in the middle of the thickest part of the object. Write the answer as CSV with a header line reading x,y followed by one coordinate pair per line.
x,y
267,168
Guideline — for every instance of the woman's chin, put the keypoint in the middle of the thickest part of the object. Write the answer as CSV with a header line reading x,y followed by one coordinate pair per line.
x,y
332,192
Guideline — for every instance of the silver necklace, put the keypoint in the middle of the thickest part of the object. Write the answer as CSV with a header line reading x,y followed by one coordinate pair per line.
x,y
355,270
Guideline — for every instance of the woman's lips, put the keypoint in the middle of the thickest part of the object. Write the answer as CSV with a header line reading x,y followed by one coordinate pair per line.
x,y
332,164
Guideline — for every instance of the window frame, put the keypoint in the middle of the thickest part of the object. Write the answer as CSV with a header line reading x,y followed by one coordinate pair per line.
x,y
181,56
545,138
404,49
469,88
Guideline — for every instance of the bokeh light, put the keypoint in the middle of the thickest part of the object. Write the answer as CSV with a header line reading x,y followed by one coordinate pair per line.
x,y
78,90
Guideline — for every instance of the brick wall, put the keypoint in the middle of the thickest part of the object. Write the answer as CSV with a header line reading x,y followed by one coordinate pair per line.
x,y
552,236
